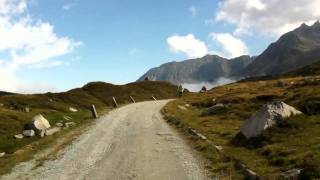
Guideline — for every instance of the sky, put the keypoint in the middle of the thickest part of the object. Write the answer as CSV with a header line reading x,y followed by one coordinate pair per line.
x,y
57,45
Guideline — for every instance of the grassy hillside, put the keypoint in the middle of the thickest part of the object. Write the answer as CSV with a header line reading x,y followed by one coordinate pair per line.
x,y
291,145
54,106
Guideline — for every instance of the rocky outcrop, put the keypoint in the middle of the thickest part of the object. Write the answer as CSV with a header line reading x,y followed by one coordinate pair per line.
x,y
206,69
268,116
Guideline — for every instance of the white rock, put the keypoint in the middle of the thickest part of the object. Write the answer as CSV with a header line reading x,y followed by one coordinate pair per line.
x,y
59,124
72,109
182,108
18,136
28,133
40,123
269,115
69,124
67,118
2,154
52,131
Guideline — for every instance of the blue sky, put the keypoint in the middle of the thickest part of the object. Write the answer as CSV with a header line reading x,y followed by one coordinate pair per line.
x,y
119,40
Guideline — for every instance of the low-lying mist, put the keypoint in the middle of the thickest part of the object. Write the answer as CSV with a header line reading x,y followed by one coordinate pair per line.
x,y
209,85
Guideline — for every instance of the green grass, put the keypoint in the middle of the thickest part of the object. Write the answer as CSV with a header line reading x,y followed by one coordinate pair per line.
x,y
279,149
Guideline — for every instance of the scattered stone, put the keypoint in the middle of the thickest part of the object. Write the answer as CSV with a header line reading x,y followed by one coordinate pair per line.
x,y
67,118
219,148
195,133
26,109
72,109
291,174
40,123
268,116
1,105
59,124
249,174
69,124
18,136
29,133
182,108
2,154
216,109
163,134
52,131
187,105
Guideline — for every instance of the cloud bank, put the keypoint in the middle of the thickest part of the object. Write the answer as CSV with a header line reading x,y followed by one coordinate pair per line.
x,y
27,43
272,17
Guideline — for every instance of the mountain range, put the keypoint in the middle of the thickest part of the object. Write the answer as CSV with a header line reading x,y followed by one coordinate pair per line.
x,y
293,50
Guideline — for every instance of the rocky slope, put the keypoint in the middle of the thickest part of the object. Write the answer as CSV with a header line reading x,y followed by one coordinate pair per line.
x,y
293,50
206,69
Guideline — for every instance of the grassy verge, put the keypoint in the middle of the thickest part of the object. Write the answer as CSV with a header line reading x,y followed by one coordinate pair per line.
x,y
291,145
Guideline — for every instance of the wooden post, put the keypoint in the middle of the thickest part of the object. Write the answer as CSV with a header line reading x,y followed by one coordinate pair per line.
x,y
153,97
94,112
132,99
115,104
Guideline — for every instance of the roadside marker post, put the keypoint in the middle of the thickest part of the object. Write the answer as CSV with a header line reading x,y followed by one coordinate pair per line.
x,y
153,97
94,112
132,99
115,104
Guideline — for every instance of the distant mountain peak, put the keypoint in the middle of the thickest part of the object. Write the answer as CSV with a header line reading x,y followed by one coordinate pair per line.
x,y
316,24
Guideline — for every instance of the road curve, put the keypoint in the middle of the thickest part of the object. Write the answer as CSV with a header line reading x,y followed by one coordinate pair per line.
x,y
132,142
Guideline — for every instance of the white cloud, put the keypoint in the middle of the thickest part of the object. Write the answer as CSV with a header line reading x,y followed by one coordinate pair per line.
x,y
68,6
193,10
232,46
272,17
188,44
26,42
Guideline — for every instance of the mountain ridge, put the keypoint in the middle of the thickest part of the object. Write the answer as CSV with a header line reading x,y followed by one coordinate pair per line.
x,y
293,50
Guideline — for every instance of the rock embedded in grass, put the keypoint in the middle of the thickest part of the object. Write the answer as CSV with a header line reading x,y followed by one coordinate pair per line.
x,y
72,109
52,131
69,124
269,115
18,136
214,110
59,124
2,154
29,133
40,123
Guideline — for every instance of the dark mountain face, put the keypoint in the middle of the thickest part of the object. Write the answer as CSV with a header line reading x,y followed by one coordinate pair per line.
x,y
206,69
293,50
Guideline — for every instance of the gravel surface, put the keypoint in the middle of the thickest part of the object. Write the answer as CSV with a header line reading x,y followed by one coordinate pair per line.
x,y
132,142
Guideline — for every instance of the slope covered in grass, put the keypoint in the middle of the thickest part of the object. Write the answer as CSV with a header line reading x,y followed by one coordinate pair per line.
x,y
294,144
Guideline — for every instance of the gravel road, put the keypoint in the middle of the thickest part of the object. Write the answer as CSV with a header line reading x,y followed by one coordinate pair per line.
x,y
132,142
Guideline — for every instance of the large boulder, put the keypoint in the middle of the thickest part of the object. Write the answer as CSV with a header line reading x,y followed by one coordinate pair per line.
x,y
268,116
40,123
